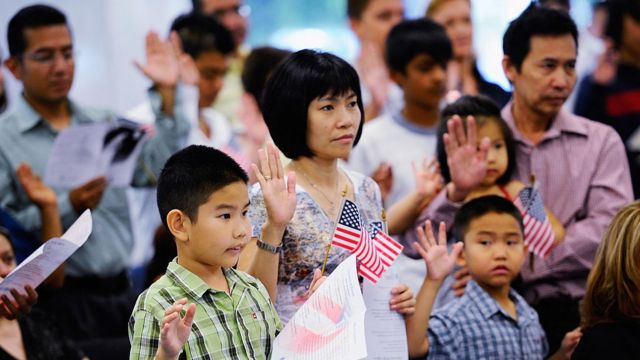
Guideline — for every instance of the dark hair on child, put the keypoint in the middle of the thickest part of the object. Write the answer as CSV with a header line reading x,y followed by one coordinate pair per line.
x,y
355,8
202,33
479,207
258,67
535,21
410,38
191,175
485,111
31,17
303,77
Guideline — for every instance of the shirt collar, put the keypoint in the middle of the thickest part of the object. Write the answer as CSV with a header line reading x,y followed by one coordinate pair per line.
x,y
564,122
29,118
196,287
488,307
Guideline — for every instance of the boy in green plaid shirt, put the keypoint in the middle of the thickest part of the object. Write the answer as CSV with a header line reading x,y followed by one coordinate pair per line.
x,y
203,202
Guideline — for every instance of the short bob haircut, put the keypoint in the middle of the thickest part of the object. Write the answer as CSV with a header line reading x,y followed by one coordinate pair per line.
x,y
485,111
535,21
303,77
478,207
410,38
191,175
31,17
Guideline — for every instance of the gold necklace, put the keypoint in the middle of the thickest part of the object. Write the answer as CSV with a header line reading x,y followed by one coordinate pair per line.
x,y
332,203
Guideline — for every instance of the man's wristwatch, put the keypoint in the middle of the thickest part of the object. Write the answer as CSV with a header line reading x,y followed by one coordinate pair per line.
x,y
268,247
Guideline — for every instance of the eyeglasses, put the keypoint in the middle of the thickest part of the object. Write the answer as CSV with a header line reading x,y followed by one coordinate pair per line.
x,y
48,57
242,10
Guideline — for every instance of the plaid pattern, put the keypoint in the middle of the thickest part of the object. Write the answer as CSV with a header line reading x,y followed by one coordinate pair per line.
x,y
241,326
476,327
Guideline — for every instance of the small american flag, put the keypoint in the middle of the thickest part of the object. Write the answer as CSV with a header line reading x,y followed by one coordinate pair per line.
x,y
538,233
352,236
388,248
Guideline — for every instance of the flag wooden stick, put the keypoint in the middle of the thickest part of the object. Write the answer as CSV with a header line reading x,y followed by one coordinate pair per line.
x,y
532,181
383,216
326,253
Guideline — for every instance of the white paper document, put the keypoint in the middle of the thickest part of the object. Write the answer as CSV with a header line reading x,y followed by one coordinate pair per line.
x,y
42,262
84,152
330,325
385,329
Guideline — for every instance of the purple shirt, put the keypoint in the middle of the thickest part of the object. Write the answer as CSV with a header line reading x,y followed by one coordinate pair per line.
x,y
583,176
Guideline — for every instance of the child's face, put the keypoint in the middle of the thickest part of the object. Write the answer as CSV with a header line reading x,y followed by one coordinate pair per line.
x,y
424,81
497,157
7,257
333,122
222,228
494,250
212,67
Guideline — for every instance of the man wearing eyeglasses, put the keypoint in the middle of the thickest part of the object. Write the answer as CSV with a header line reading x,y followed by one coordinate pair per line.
x,y
96,299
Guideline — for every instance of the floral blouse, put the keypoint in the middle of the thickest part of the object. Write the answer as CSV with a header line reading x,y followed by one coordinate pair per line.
x,y
307,236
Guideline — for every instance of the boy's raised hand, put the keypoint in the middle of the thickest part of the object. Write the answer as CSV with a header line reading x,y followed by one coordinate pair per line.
x,y
435,253
161,64
174,331
279,195
466,159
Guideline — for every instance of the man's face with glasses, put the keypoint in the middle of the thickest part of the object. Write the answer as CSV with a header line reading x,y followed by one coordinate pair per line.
x,y
232,14
47,65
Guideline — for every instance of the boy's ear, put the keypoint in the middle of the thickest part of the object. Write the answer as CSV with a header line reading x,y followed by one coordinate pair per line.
x,y
461,260
179,225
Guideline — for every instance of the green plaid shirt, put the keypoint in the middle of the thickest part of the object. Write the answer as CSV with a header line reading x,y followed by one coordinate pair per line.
x,y
241,326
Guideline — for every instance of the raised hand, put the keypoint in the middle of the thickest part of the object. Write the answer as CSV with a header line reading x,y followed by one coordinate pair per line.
x,y
466,159
36,190
161,65
189,73
21,304
279,195
383,176
428,179
174,331
435,254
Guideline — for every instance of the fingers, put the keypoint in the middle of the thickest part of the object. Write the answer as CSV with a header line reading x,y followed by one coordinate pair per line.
x,y
176,307
402,300
457,249
264,164
442,234
472,133
188,317
273,162
291,183
279,166
32,295
23,304
458,131
176,43
12,309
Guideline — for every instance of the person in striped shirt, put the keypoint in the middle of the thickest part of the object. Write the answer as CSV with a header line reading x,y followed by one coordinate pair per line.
x,y
203,201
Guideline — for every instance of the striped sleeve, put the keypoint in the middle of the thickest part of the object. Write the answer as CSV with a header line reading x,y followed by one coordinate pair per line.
x,y
144,335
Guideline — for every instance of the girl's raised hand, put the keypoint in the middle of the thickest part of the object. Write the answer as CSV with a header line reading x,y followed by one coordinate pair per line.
x,y
435,253
279,195
466,159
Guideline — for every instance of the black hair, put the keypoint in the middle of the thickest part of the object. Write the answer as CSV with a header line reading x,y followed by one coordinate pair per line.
x,y
617,10
30,17
479,207
303,77
191,175
535,21
257,68
410,38
201,33
485,111
7,234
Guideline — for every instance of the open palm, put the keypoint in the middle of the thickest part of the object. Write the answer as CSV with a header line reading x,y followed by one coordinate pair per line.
x,y
279,195
161,65
175,330
435,254
466,159
36,190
